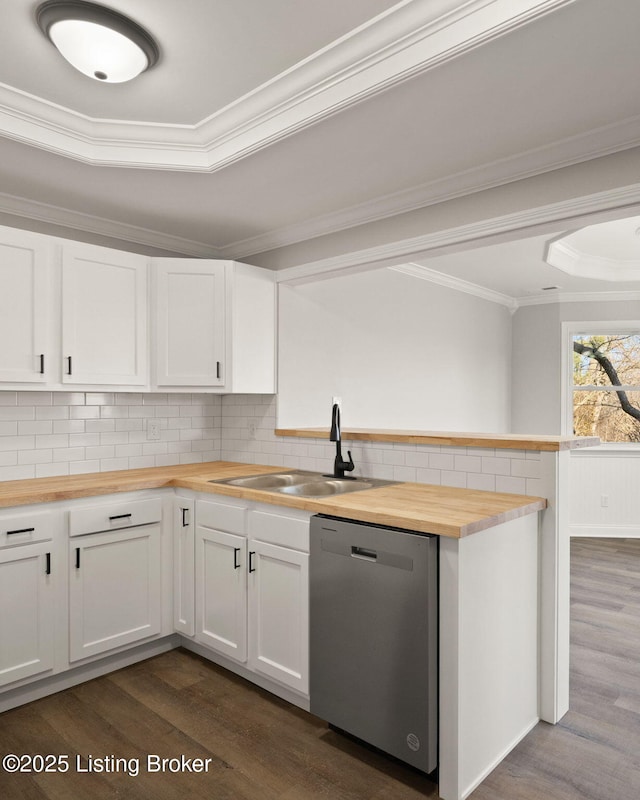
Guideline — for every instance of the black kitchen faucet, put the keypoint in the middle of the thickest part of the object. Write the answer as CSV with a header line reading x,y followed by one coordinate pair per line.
x,y
339,465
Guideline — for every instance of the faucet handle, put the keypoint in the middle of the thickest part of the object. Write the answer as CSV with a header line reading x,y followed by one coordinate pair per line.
x,y
349,465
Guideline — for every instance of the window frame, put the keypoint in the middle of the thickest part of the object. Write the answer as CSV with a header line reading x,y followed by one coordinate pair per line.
x,y
569,330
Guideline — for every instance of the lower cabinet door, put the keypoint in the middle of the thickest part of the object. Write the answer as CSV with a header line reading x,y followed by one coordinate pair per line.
x,y
221,592
26,612
279,614
183,566
114,589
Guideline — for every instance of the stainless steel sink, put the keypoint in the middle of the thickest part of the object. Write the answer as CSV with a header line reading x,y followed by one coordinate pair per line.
x,y
276,480
304,484
329,486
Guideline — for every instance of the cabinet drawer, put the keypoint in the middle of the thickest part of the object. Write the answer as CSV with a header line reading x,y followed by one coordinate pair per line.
x,y
222,516
25,529
114,516
279,529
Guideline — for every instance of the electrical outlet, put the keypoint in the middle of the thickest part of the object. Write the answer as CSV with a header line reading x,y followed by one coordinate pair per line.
x,y
252,430
153,430
604,500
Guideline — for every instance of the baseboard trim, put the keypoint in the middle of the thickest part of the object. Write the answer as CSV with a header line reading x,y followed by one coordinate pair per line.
x,y
264,683
605,531
37,689
485,772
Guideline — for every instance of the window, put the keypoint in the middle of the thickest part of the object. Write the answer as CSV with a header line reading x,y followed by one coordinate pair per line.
x,y
605,369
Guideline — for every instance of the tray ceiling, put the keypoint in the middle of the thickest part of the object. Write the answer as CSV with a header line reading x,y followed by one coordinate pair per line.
x,y
271,123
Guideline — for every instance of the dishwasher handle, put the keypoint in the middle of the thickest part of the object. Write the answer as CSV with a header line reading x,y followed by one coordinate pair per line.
x,y
364,553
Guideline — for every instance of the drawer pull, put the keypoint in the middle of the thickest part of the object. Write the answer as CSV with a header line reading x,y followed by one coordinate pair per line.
x,y
119,516
48,562
21,530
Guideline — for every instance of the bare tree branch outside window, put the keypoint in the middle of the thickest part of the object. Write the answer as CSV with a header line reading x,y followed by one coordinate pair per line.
x,y
606,379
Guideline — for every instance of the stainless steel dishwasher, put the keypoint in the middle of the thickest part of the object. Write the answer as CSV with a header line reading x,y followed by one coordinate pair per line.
x,y
374,635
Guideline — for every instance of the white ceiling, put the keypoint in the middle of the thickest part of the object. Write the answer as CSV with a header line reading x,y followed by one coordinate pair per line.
x,y
521,272
270,123
212,52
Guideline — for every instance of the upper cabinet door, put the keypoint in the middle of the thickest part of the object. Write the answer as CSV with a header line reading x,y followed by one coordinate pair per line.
x,y
189,322
24,306
104,316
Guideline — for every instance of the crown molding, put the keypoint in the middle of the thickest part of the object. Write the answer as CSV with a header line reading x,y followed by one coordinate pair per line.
x,y
477,179
410,38
567,152
566,212
577,297
460,285
77,221
389,254
511,303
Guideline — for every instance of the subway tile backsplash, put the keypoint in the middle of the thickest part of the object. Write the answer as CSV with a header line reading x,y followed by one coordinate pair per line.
x,y
68,433
248,423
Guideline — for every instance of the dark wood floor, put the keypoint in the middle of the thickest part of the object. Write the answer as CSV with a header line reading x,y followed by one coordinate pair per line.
x,y
261,748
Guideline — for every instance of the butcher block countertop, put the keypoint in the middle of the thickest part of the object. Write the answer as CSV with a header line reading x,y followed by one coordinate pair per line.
x,y
442,510
499,441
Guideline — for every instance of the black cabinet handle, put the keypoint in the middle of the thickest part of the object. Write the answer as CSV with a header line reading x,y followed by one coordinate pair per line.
x,y
77,558
21,530
42,363
48,568
236,550
218,370
119,516
185,522
251,555
69,362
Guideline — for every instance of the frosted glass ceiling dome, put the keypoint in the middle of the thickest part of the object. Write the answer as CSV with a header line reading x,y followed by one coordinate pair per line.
x,y
97,41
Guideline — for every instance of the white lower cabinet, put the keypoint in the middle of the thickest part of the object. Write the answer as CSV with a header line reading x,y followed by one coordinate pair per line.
x,y
221,592
183,566
240,585
252,596
27,602
114,589
279,614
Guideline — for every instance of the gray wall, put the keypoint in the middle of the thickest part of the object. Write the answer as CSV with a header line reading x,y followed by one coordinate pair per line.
x,y
536,358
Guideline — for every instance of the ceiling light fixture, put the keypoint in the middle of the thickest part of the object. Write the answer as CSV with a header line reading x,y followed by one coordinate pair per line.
x,y
97,41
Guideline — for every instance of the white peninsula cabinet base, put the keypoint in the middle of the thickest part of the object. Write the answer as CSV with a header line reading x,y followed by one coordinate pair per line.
x,y
489,652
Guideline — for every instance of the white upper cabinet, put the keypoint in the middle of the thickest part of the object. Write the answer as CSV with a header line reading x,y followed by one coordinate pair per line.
x,y
189,322
77,315
214,326
104,316
25,272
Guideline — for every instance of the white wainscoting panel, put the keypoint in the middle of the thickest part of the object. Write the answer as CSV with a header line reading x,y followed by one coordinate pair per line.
x,y
605,494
